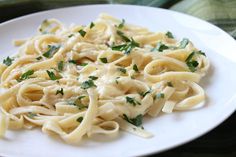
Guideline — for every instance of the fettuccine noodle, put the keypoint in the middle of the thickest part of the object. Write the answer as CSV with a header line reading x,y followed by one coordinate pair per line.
x,y
98,79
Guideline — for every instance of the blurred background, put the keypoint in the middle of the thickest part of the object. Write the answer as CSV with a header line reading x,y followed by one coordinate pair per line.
x,y
220,142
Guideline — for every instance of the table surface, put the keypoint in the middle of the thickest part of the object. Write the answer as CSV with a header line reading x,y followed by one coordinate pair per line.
x,y
220,142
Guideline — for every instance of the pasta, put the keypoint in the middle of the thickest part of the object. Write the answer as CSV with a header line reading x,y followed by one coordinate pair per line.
x,y
76,81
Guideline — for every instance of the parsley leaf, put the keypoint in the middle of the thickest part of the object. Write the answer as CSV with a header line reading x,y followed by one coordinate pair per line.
x,y
60,65
51,75
121,25
170,84
91,25
135,68
93,77
183,43
78,103
160,47
39,58
143,94
72,61
160,95
121,34
52,49
82,32
88,84
132,101
137,121
60,91
169,35
26,75
31,115
123,70
103,60
192,65
71,35
8,61
83,64
127,48
80,119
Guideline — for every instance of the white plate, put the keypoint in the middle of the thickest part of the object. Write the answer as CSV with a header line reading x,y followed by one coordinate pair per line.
x,y
170,130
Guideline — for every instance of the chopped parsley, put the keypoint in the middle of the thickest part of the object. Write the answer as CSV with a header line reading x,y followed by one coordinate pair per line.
x,y
121,34
71,35
51,75
132,101
60,65
170,84
93,77
60,91
88,84
137,121
201,53
117,80
72,61
39,58
26,75
169,35
160,47
160,95
80,119
82,32
81,97
183,43
83,64
91,25
8,61
121,25
31,115
123,70
103,60
52,49
143,94
135,68
127,48
78,103
192,64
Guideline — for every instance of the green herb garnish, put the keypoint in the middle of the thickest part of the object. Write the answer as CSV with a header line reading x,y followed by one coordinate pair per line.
x,y
192,64
26,75
183,43
51,75
80,119
93,77
60,65
60,91
137,121
72,61
169,35
160,47
82,32
31,115
160,95
83,64
143,94
88,84
121,34
52,49
127,48
121,25
71,35
169,84
135,68
39,58
103,60
123,70
91,25
132,101
8,61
